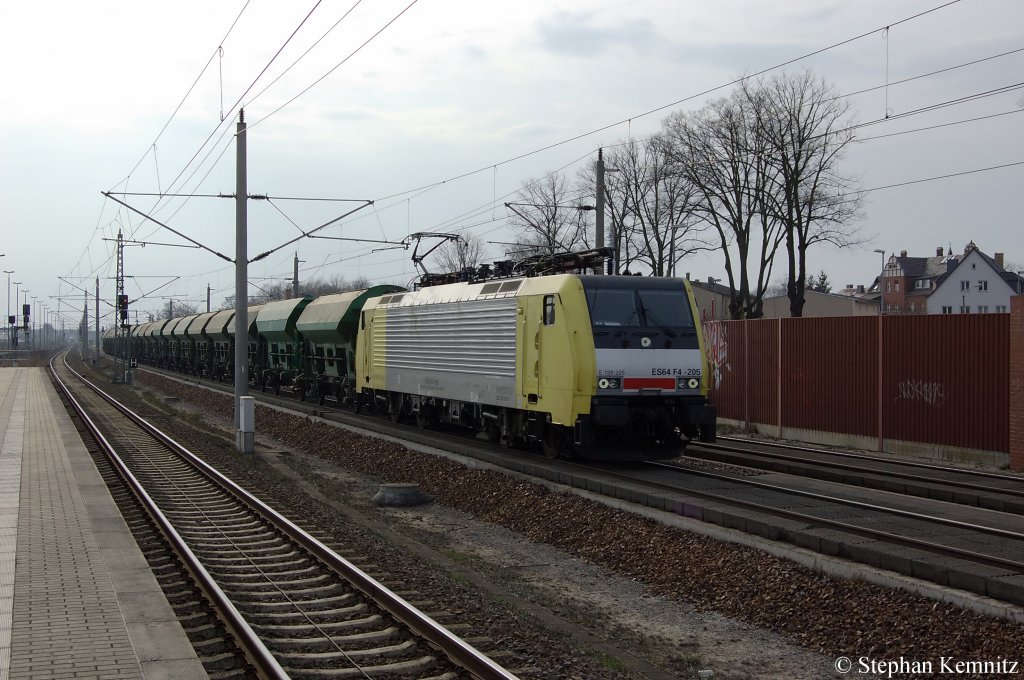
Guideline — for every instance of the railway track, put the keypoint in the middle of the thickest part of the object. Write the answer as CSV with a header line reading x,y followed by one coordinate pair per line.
x,y
984,544
879,527
291,606
965,486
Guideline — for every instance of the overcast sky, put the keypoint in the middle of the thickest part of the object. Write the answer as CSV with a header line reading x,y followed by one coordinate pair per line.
x,y
452,87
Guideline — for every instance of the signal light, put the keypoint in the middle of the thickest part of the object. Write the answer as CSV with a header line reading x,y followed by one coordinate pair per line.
x,y
122,306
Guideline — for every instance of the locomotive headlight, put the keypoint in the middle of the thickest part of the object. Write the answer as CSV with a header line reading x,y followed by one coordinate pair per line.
x,y
603,383
613,383
693,383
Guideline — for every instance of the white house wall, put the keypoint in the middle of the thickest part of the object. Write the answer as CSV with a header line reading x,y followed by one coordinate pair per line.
x,y
973,268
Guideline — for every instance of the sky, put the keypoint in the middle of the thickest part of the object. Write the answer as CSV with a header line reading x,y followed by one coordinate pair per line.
x,y
439,110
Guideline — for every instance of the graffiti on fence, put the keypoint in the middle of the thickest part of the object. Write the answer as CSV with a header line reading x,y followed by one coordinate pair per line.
x,y
931,393
716,343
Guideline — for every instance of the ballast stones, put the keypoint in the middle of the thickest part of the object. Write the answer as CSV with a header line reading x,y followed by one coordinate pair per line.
x,y
400,495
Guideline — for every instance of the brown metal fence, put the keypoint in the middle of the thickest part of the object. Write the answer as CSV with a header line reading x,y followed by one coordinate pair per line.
x,y
944,378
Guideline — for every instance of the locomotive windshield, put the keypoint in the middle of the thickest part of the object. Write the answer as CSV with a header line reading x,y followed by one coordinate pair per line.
x,y
637,303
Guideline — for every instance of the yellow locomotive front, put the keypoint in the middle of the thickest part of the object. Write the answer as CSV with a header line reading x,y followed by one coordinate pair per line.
x,y
651,368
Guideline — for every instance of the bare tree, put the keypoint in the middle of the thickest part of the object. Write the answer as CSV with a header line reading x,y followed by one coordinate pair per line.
x,y
659,200
720,152
335,284
264,292
177,308
806,129
455,256
547,218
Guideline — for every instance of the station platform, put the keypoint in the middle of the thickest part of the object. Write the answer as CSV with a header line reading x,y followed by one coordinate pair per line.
x,y
77,598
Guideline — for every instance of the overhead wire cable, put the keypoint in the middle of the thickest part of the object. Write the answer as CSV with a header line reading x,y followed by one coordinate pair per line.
x,y
341,63
941,125
189,92
494,166
938,177
675,103
925,75
241,97
228,128
308,50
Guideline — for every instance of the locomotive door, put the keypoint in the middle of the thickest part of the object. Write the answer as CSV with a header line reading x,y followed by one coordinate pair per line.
x,y
539,325
530,344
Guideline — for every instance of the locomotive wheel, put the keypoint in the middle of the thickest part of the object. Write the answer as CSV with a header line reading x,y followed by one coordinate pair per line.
x,y
552,445
423,418
396,409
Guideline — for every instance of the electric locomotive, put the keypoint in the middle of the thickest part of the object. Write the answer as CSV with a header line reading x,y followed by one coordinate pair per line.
x,y
605,367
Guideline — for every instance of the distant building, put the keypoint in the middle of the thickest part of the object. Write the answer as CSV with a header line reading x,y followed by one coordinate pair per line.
x,y
849,302
947,283
712,299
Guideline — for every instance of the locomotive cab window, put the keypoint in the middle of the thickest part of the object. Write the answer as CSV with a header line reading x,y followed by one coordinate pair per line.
x,y
611,307
665,308
658,307
549,310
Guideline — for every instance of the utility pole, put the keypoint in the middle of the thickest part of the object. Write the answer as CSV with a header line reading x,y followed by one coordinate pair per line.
x,y
244,430
122,368
97,322
295,276
83,330
208,297
599,209
7,319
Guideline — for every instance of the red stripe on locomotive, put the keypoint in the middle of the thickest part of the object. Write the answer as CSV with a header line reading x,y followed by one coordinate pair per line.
x,y
648,383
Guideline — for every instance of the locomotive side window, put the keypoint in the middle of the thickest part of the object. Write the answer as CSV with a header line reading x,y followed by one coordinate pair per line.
x,y
549,310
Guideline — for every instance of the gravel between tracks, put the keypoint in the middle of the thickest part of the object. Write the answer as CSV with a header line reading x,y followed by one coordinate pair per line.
x,y
679,600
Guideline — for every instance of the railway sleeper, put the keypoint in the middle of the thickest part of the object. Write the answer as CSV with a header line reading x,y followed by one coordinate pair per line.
x,y
297,594
377,637
373,622
284,609
254,579
413,668
303,658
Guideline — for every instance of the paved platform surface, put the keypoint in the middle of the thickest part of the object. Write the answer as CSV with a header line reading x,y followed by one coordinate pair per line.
x,y
77,598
